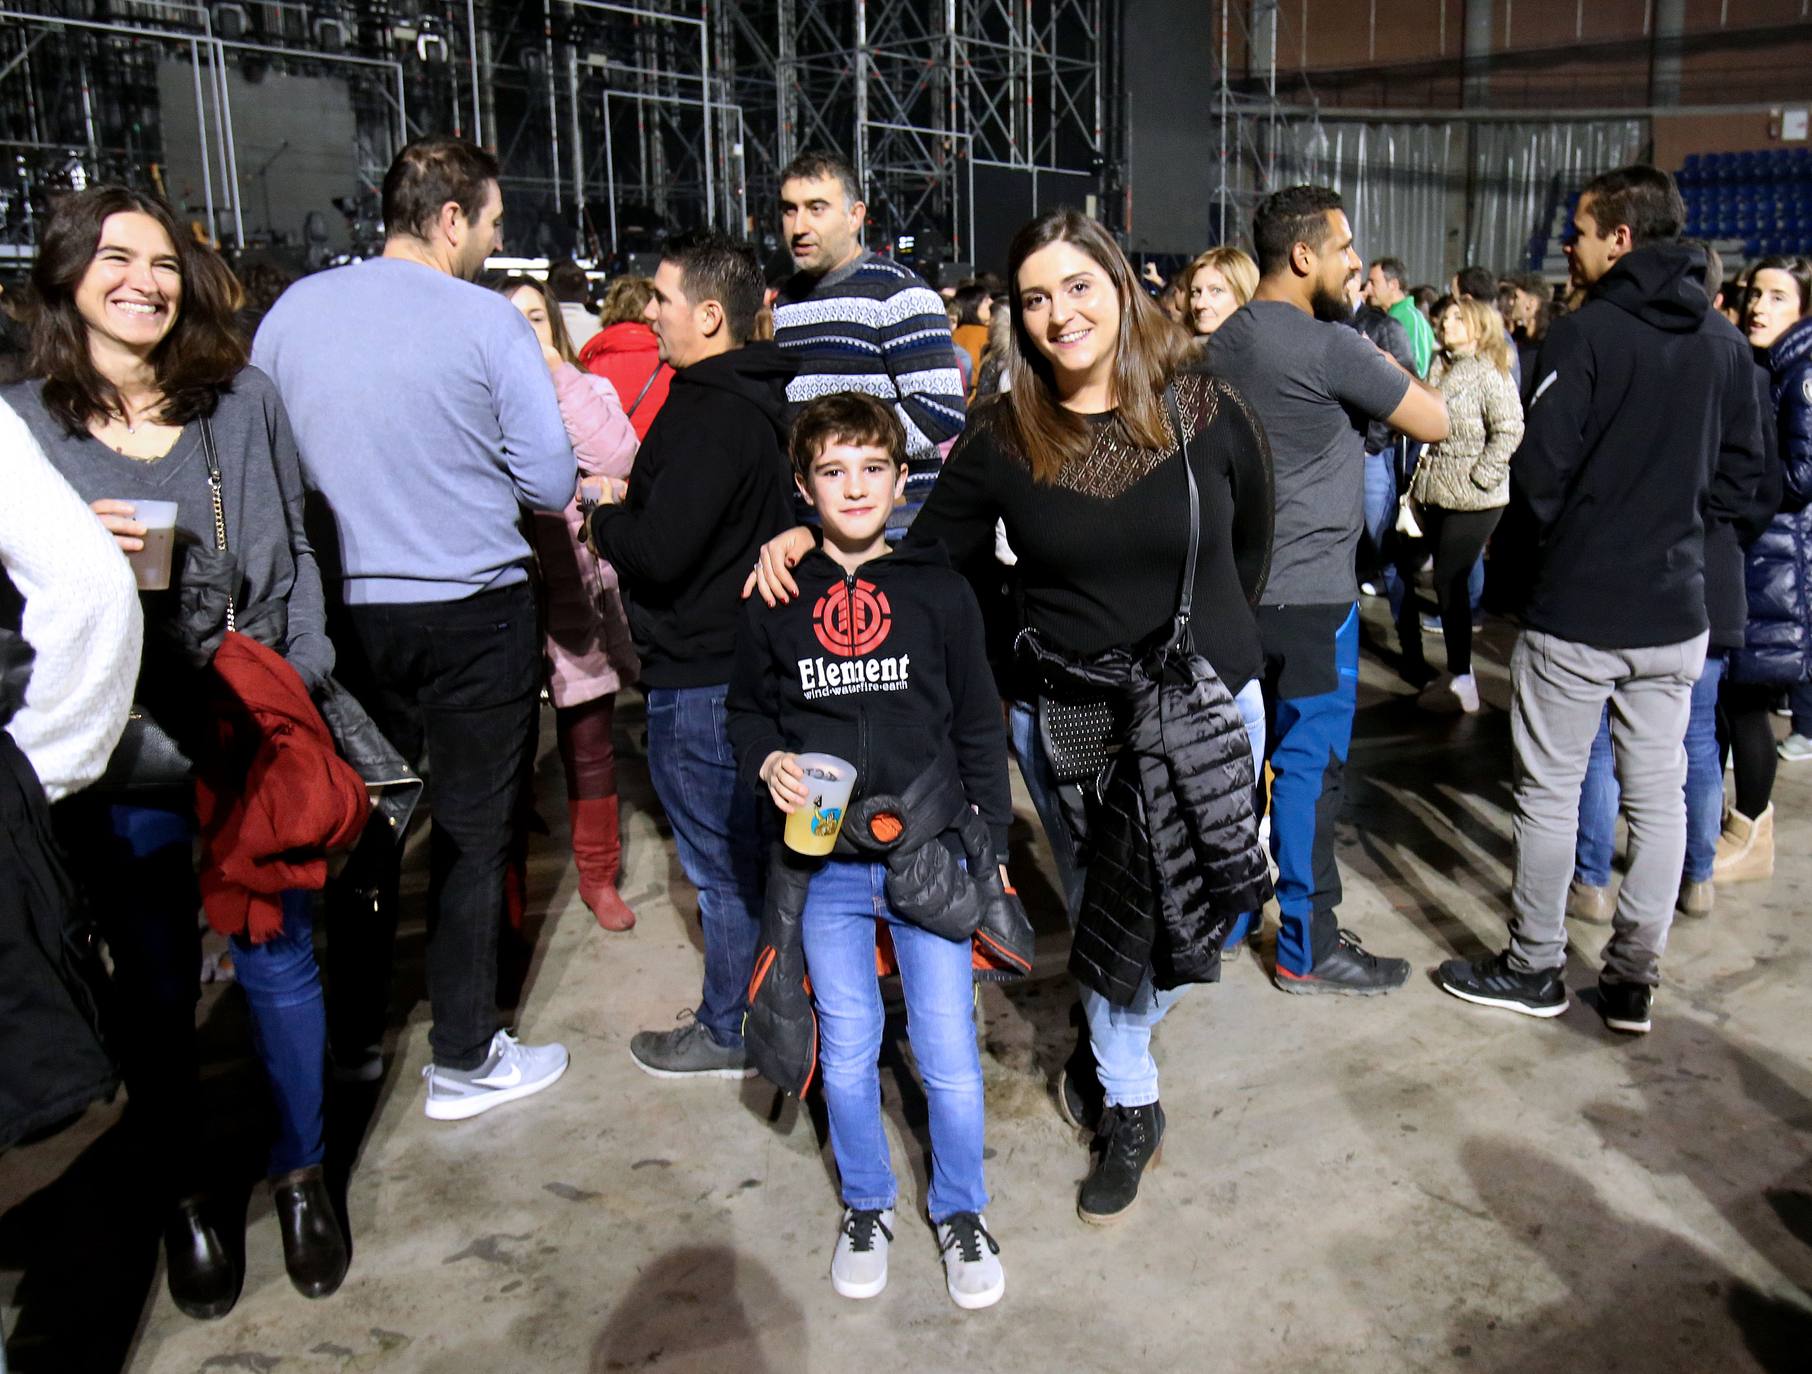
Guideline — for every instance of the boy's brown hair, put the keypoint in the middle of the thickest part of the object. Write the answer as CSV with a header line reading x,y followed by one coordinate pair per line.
x,y
844,417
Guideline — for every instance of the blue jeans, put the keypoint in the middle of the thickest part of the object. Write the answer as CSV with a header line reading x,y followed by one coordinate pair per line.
x,y
1380,518
1119,1036
1799,697
147,897
845,901
719,828
1600,798
282,986
1311,736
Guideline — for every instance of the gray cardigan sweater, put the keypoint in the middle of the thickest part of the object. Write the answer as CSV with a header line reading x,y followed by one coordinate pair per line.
x,y
261,490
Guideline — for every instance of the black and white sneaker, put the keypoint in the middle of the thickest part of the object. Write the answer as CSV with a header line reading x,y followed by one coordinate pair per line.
x,y
859,1263
1626,1007
972,1269
1493,983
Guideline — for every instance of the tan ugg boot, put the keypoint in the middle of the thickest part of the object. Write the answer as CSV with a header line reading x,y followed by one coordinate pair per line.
x,y
1746,848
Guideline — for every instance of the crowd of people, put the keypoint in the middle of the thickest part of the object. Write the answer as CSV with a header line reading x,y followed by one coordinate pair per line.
x,y
1119,534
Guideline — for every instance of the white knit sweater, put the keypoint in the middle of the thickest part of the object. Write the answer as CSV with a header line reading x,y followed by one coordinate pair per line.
x,y
81,617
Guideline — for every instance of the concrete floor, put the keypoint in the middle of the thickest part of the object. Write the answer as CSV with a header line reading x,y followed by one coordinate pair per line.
x,y
1396,1184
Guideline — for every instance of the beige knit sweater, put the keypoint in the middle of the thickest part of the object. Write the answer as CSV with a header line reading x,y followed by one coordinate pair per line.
x,y
1470,468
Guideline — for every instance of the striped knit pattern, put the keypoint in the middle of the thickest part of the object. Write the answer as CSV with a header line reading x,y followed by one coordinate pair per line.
x,y
876,327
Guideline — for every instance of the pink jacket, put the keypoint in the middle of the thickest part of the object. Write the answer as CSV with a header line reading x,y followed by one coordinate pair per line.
x,y
589,651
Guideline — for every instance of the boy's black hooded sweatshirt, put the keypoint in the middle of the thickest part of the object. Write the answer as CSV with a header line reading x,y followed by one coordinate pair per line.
x,y
886,667
711,485
1644,430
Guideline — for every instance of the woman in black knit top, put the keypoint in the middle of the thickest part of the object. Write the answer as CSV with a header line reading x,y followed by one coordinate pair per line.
x,y
1076,458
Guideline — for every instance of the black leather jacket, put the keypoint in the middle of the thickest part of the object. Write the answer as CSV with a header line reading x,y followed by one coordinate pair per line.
x,y
925,884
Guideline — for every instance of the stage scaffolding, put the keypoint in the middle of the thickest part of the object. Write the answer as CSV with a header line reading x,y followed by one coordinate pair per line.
x,y
617,121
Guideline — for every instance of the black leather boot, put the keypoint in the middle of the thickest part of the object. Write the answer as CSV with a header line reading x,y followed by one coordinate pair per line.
x,y
1130,1139
204,1282
314,1247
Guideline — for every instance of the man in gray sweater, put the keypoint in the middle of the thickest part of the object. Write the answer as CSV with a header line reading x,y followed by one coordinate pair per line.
x,y
427,421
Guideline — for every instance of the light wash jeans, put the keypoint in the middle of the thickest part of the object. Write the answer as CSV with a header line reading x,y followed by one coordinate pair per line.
x,y
1119,1036
1600,798
845,899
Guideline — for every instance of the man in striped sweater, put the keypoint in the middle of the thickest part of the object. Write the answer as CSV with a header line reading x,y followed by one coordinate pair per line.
x,y
862,323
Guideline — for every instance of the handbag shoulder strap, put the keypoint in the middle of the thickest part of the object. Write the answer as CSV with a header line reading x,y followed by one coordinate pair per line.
x,y
1186,598
642,394
211,456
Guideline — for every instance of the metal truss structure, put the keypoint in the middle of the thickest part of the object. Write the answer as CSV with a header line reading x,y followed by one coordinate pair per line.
x,y
616,120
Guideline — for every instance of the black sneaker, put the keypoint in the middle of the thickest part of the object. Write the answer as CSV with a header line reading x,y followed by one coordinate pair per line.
x,y
1626,1007
1493,983
1130,1139
1348,971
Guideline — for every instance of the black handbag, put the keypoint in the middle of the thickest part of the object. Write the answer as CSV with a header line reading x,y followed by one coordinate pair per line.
x,y
148,758
1081,736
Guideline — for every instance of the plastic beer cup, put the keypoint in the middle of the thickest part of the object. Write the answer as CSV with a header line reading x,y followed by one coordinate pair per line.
x,y
814,827
151,564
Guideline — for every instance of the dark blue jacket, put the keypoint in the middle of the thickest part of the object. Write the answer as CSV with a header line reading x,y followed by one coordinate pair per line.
x,y
1777,647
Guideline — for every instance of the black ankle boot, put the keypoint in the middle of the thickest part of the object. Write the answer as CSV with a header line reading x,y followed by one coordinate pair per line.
x,y
314,1247
1130,1139
204,1282
1080,1097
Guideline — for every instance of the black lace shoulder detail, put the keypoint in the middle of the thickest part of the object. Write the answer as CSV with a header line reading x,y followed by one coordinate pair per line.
x,y
1115,464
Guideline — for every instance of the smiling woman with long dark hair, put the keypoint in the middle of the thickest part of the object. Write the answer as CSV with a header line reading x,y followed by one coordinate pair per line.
x,y
1077,458
139,386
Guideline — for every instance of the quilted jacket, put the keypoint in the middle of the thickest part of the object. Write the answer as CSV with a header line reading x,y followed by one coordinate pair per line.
x,y
1777,643
1175,853
1470,468
925,885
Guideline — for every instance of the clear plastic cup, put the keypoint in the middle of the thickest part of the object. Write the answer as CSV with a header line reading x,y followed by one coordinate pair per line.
x,y
814,827
151,564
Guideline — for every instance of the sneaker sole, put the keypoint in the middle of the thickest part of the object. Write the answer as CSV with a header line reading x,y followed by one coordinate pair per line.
x,y
1109,1218
974,1302
463,1108
1308,987
1629,1027
748,1071
1506,1003
858,1291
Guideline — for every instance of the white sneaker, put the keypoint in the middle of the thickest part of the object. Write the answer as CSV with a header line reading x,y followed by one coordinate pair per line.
x,y
859,1263
511,1070
1466,688
1795,748
1369,589
972,1269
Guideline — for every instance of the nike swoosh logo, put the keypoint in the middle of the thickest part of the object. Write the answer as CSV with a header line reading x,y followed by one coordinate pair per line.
x,y
501,1080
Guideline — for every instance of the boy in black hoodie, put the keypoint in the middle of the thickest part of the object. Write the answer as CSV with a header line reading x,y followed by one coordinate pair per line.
x,y
710,484
881,661
1643,429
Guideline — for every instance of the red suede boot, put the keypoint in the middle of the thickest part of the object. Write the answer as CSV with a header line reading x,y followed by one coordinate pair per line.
x,y
598,852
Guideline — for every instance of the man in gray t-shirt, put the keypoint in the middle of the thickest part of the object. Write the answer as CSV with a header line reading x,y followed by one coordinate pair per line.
x,y
1315,385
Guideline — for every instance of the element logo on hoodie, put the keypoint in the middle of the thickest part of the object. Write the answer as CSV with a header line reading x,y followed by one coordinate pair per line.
x,y
852,620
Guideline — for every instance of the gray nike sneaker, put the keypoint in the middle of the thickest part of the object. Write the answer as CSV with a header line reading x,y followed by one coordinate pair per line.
x,y
687,1051
510,1071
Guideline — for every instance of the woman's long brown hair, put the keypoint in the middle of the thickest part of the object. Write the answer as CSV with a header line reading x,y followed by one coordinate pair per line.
x,y
1147,356
197,359
507,286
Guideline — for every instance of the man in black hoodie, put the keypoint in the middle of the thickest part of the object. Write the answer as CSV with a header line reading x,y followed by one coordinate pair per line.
x,y
1644,428
710,486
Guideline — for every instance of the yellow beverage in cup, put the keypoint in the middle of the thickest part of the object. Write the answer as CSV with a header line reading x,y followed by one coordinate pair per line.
x,y
814,827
